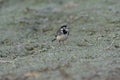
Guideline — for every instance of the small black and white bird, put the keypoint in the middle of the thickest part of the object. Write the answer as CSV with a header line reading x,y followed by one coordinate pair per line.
x,y
62,34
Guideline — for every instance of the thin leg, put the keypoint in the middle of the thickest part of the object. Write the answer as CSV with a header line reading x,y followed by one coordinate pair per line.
x,y
63,42
60,43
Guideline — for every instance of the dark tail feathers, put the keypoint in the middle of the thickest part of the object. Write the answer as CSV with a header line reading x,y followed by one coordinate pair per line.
x,y
53,40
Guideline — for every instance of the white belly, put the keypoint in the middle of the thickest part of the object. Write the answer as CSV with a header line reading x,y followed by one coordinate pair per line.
x,y
61,37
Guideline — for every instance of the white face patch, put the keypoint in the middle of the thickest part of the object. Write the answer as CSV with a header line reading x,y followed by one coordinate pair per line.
x,y
61,29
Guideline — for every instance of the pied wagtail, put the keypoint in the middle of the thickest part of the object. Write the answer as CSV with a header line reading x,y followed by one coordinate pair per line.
x,y
61,34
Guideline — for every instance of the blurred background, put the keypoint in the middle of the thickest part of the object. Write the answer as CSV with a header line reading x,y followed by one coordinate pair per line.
x,y
91,52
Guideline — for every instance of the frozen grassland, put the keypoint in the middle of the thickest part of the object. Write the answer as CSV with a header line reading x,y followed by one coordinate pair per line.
x,y
92,51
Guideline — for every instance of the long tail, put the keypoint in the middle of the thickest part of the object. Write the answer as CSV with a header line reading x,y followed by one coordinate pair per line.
x,y
53,39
